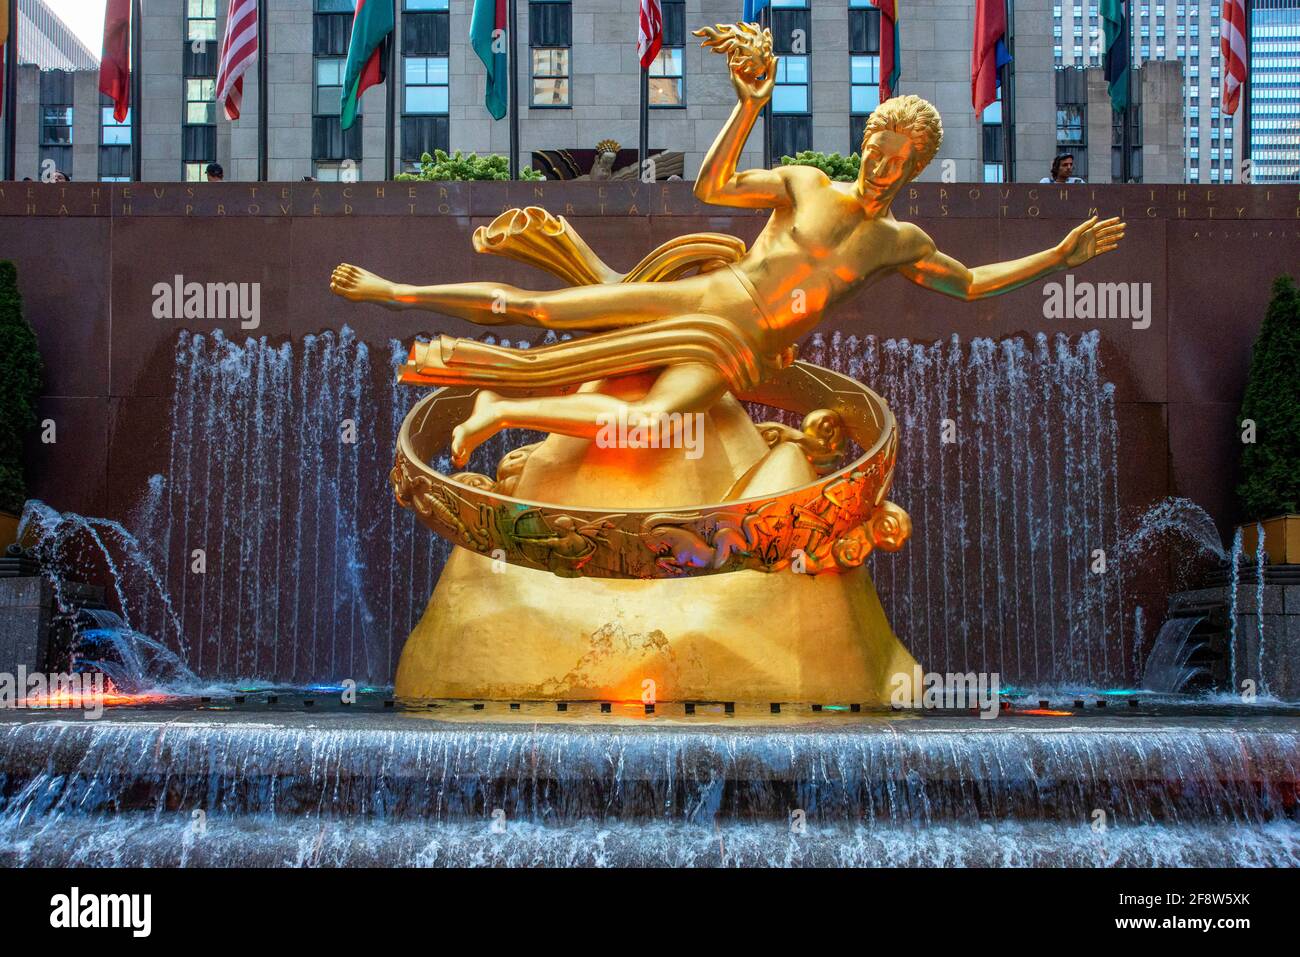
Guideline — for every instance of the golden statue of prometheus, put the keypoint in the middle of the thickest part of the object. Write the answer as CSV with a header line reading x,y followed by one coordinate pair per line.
x,y
704,316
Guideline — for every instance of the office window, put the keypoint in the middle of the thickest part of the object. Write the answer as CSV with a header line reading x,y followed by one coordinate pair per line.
x,y
111,132
790,94
330,145
56,125
56,121
426,43
1070,125
327,171
993,141
200,101
200,20
550,35
550,77
426,85
425,28
668,71
200,57
864,68
791,119
114,144
864,96
667,79
329,85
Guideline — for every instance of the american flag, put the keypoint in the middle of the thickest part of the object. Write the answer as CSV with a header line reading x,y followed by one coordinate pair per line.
x,y
238,51
1232,43
650,36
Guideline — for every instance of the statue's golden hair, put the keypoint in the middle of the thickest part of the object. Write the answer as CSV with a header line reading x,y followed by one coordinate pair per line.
x,y
916,119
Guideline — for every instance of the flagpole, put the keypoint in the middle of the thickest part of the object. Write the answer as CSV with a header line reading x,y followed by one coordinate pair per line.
x,y
764,21
263,94
1009,99
513,67
10,105
1124,170
1245,97
137,88
643,146
390,119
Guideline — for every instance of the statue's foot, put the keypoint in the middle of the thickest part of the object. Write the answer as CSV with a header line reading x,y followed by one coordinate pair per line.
x,y
483,423
361,285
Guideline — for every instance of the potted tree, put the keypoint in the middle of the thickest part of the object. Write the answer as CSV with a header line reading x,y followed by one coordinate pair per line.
x,y
1269,493
20,385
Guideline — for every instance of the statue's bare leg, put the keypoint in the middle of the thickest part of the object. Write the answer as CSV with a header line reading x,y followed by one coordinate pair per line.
x,y
687,388
601,306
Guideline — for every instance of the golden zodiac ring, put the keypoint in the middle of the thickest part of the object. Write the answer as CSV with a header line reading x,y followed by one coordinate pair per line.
x,y
829,525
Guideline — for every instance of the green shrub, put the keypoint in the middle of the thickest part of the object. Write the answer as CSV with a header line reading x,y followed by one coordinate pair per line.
x,y
20,385
458,166
1270,467
837,167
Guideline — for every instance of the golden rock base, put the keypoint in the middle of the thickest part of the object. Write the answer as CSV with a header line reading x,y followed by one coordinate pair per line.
x,y
746,636
517,633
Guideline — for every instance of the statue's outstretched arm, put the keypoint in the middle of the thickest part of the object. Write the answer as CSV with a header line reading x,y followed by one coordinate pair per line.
x,y
753,74
940,272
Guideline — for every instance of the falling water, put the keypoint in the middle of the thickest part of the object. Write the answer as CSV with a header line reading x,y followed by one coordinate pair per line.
x,y
1233,588
1168,667
1008,468
402,792
281,554
1260,559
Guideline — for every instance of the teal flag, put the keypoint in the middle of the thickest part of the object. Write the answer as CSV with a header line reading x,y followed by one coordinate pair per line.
x,y
488,35
372,30
1115,32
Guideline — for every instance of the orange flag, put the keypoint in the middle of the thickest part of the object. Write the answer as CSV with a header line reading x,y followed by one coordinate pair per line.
x,y
115,64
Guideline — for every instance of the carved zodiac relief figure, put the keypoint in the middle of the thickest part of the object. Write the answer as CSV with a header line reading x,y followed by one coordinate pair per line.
x,y
704,312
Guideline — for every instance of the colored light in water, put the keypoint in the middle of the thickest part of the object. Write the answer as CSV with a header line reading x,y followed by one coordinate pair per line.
x,y
109,697
1046,713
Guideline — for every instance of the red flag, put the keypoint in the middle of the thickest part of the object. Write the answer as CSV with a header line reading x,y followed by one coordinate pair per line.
x,y
890,53
115,64
650,32
1232,43
990,31
238,51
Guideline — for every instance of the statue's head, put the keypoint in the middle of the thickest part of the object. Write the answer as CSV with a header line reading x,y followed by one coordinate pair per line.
x,y
901,138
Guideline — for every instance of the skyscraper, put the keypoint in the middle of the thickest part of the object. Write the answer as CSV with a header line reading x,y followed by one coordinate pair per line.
x,y
1186,32
1273,91
45,40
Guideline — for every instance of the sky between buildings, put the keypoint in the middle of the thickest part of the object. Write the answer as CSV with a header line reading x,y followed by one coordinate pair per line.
x,y
85,18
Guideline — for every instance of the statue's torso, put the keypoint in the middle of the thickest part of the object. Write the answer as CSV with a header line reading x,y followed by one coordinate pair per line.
x,y
818,251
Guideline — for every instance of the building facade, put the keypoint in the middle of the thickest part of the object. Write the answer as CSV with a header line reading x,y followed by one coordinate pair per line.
x,y
1091,131
1187,33
579,85
60,120
45,40
1274,92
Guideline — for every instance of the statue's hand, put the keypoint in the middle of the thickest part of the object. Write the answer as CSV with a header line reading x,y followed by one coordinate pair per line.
x,y
749,58
1089,239
361,285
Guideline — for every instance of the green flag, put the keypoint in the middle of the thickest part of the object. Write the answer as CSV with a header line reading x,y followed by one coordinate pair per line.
x,y
372,31
1114,26
488,35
